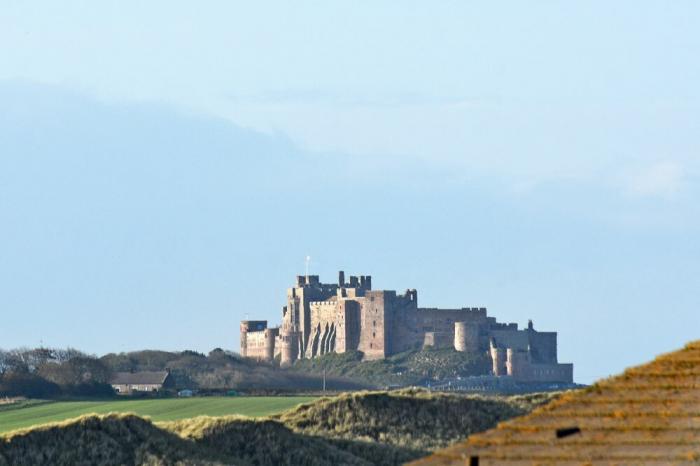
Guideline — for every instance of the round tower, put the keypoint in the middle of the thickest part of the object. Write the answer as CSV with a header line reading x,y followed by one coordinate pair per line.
x,y
270,335
466,337
288,348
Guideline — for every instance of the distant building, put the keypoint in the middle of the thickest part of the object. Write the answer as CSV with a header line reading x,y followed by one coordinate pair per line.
x,y
320,318
126,383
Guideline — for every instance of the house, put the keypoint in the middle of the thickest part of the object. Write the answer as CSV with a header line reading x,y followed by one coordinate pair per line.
x,y
125,383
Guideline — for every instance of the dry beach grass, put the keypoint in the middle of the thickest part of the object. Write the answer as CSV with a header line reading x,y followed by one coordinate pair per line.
x,y
648,415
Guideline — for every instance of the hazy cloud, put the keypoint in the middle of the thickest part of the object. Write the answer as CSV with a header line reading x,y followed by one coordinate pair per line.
x,y
351,98
663,179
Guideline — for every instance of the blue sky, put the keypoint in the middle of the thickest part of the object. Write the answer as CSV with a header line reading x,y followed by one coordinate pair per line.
x,y
166,167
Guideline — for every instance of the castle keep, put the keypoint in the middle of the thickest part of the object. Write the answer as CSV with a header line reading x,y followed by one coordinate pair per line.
x,y
320,318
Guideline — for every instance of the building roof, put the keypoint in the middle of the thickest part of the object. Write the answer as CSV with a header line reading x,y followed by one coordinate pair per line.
x,y
139,378
649,414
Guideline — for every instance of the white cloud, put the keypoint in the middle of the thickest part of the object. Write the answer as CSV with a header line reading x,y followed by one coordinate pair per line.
x,y
662,179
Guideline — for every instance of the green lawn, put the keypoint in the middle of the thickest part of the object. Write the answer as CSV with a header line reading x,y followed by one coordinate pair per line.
x,y
157,410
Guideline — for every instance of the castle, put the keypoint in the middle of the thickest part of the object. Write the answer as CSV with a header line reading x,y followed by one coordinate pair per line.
x,y
320,318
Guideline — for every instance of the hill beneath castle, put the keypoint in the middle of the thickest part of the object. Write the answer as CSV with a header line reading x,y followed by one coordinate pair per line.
x,y
416,367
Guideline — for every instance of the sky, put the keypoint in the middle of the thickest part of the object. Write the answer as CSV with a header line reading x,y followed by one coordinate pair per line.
x,y
166,167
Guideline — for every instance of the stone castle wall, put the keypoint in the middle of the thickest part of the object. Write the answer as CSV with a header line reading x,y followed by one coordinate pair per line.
x,y
520,366
544,346
349,316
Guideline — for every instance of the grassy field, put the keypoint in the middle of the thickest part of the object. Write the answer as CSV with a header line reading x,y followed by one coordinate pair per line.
x,y
157,410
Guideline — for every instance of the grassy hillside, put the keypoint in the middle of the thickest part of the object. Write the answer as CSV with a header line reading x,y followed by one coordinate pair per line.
x,y
113,439
382,428
126,439
157,409
261,442
413,419
408,368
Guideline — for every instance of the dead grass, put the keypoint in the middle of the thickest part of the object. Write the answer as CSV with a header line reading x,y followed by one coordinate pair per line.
x,y
650,414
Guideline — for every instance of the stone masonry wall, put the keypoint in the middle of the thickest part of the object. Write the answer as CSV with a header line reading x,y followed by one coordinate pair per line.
x,y
256,344
372,325
324,319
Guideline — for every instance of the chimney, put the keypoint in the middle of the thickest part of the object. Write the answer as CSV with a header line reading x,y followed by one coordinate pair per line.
x,y
341,279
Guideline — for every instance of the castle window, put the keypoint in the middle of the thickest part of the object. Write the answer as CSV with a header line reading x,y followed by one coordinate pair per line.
x,y
374,323
374,335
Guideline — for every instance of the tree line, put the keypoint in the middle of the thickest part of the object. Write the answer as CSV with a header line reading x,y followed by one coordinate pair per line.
x,y
52,372
57,372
